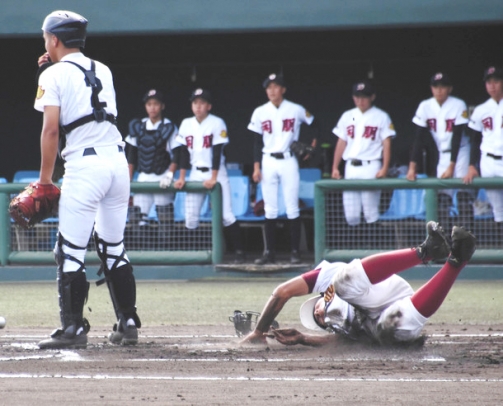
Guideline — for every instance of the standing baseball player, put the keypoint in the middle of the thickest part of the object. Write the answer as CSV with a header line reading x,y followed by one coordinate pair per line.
x,y
77,96
203,138
444,118
365,299
486,156
276,125
152,150
364,142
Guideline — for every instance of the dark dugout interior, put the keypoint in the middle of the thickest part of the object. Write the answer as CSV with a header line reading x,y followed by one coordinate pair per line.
x,y
319,67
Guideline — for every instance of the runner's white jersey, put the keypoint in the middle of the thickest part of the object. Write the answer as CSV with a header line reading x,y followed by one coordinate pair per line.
x,y
440,120
364,133
63,85
200,137
487,118
279,126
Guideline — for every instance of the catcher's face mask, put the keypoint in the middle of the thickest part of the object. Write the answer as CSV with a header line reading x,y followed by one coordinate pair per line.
x,y
243,322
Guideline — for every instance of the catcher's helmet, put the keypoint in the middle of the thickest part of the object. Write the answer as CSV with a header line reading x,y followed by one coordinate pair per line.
x,y
68,26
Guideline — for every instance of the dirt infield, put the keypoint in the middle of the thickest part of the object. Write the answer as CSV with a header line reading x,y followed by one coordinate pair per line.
x,y
177,365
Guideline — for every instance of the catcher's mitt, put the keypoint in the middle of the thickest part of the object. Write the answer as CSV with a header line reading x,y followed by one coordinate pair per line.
x,y
34,204
301,150
243,322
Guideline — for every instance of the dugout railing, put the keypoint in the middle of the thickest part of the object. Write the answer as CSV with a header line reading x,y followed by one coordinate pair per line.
x,y
335,240
179,249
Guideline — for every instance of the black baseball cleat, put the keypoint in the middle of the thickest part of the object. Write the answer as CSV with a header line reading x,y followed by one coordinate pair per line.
x,y
65,339
436,246
124,336
267,258
463,246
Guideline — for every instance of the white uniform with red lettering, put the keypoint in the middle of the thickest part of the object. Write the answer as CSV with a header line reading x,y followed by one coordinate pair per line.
x,y
365,306
487,118
199,139
440,120
364,134
279,127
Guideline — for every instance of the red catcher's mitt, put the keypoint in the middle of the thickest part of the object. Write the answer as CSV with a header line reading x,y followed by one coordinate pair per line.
x,y
34,204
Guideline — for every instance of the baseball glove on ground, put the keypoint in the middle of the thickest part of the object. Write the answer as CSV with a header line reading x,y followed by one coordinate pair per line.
x,y
301,150
34,204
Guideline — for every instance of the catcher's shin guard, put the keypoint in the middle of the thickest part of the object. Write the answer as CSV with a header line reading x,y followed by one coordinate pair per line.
x,y
73,289
120,282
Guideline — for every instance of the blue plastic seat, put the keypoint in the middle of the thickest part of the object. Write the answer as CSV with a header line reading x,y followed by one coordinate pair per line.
x,y
240,194
406,204
308,176
26,176
3,180
234,172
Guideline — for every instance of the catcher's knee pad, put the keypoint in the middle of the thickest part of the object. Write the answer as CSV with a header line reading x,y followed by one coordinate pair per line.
x,y
118,275
112,255
69,257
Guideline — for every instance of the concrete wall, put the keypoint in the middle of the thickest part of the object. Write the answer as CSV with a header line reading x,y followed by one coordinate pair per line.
x,y
24,17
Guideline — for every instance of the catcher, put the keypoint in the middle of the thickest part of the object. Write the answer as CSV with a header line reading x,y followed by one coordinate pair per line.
x,y
365,299
77,98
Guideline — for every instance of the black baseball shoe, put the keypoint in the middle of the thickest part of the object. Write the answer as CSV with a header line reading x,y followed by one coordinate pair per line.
x,y
124,336
65,339
267,258
463,246
436,246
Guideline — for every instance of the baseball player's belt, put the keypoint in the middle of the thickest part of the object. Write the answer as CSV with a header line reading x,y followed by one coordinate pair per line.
x,y
497,157
280,155
202,168
92,151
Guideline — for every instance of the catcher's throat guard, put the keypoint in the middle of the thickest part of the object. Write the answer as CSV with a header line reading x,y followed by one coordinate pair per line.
x,y
244,323
34,204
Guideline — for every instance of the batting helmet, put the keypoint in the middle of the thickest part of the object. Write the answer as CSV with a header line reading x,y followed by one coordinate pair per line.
x,y
69,27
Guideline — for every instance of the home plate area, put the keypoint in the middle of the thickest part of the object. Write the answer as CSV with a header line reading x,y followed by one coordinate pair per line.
x,y
184,360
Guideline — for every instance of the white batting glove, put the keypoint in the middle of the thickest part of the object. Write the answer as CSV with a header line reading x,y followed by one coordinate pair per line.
x,y
166,180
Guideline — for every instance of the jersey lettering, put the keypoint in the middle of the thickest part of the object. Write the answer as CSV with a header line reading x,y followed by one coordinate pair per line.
x,y
449,125
432,124
288,124
267,126
189,141
487,123
370,132
207,141
350,131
